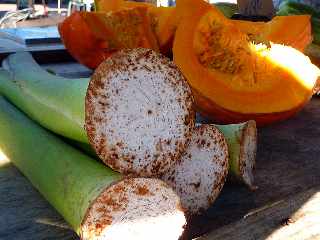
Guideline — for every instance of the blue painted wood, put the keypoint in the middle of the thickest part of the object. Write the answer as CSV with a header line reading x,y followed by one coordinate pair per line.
x,y
32,35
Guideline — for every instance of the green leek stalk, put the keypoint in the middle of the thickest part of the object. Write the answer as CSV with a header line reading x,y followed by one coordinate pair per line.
x,y
76,185
58,104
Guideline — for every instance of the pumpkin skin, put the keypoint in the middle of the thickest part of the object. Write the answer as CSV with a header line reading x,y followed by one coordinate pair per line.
x,y
232,79
91,37
277,30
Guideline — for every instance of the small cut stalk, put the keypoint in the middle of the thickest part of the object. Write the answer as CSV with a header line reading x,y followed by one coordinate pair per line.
x,y
242,145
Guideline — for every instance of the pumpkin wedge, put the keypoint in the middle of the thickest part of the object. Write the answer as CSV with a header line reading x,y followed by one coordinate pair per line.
x,y
91,37
277,31
234,79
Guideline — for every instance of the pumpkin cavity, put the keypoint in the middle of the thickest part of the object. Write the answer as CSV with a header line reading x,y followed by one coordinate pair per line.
x,y
214,46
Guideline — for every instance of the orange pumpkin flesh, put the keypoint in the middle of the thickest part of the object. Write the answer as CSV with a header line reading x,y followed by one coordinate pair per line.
x,y
108,5
132,4
235,80
278,31
91,37
115,5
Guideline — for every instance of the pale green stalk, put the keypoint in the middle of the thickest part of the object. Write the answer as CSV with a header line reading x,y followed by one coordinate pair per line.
x,y
56,103
67,178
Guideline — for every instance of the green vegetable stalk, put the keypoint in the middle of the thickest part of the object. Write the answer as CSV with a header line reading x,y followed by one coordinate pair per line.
x,y
91,197
56,103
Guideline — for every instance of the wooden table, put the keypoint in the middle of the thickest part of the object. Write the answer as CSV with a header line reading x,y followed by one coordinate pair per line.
x,y
286,205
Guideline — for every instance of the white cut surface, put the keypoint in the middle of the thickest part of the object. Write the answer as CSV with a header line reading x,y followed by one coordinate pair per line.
x,y
248,150
139,113
135,209
200,175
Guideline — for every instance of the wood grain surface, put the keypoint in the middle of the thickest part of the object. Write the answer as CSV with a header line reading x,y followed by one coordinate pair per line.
x,y
296,217
287,173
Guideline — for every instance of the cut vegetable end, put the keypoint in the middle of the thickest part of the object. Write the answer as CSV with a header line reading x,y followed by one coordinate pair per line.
x,y
242,147
137,208
139,115
201,173
247,157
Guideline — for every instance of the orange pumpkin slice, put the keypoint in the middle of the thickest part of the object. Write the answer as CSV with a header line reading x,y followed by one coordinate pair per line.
x,y
234,79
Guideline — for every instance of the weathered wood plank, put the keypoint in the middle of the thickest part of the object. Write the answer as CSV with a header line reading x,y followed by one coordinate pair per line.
x,y
296,217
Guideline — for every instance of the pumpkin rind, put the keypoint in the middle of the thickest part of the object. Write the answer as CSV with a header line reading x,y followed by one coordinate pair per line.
x,y
242,79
